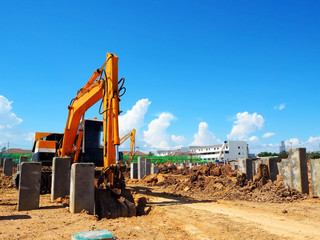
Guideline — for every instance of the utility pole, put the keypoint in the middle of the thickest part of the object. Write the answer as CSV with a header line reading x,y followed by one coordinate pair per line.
x,y
8,148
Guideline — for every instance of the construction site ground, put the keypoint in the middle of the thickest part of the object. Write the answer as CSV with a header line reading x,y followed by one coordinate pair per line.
x,y
172,212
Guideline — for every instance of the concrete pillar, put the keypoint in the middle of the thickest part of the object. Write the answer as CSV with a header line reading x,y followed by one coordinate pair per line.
x,y
154,169
148,166
273,168
255,166
29,186
245,166
7,166
299,169
82,187
141,167
60,184
21,160
1,162
234,165
133,170
285,171
315,176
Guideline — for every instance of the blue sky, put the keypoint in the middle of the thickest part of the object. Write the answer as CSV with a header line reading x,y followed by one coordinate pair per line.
x,y
197,72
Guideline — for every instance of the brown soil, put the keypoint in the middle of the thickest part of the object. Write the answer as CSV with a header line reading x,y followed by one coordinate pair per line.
x,y
6,181
220,182
169,210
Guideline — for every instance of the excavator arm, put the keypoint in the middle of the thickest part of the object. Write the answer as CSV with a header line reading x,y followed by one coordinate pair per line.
x,y
87,96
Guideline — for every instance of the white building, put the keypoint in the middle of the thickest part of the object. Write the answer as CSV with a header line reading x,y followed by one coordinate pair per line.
x,y
232,150
176,152
282,147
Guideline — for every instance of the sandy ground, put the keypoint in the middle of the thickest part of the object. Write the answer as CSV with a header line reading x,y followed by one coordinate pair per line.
x,y
170,218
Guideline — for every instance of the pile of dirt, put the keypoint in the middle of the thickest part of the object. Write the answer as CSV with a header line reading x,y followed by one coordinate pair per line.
x,y
6,181
221,182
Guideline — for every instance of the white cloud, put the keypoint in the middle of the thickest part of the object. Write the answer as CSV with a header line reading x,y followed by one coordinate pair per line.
x,y
244,125
280,107
134,118
29,137
204,136
157,136
312,144
255,146
315,140
253,139
8,119
268,134
9,126
294,142
177,139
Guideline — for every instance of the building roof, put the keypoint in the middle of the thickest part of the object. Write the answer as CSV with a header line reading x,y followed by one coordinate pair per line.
x,y
17,150
136,153
210,146
172,150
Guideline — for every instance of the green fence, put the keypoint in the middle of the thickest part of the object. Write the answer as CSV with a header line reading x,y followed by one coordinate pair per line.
x,y
15,156
164,159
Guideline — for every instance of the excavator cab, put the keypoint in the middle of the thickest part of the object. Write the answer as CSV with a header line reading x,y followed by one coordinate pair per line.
x,y
92,143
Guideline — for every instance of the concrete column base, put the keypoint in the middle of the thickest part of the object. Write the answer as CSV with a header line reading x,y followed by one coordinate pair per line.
x,y
315,176
245,166
7,166
141,167
60,185
133,170
29,186
82,187
148,166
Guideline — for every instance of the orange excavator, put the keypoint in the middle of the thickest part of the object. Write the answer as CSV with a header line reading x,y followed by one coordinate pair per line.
x,y
86,140
132,136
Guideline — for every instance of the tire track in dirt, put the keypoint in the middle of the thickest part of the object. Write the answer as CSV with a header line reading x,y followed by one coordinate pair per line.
x,y
201,224
283,226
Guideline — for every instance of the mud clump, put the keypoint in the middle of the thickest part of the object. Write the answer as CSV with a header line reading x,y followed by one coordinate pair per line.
x,y
64,201
141,205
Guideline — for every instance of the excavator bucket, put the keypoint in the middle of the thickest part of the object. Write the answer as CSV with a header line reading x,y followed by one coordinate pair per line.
x,y
111,205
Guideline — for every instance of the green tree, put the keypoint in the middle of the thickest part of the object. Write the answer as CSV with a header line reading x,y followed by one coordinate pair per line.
x,y
313,155
3,149
283,155
150,154
267,154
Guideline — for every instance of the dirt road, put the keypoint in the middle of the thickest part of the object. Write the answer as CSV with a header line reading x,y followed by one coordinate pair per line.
x,y
170,218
